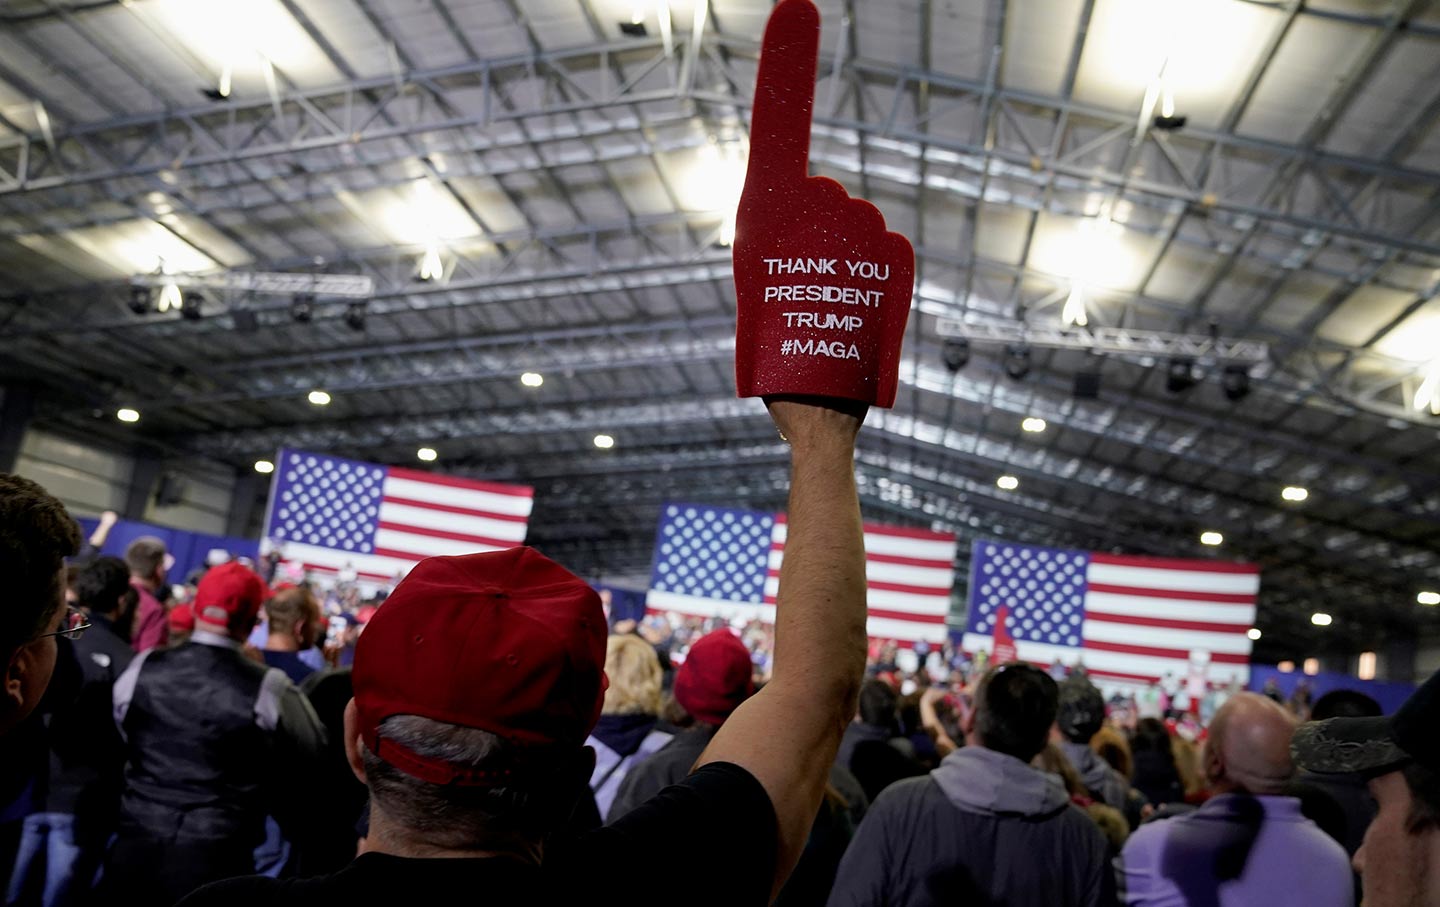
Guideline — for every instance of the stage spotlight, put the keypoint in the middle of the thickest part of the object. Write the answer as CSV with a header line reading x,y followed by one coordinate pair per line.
x,y
355,316
1017,360
190,306
1236,382
955,353
141,302
1180,376
302,307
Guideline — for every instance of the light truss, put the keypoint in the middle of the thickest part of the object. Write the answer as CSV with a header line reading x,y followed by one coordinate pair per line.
x,y
342,286
1119,341
366,110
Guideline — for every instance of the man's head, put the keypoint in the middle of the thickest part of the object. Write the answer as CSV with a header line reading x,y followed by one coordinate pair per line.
x,y
716,677
476,684
1015,706
36,535
878,704
635,677
1081,712
294,618
1399,862
228,600
1248,750
103,587
146,559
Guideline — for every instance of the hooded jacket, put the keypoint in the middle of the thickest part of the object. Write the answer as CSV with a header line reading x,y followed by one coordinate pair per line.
x,y
982,829
1104,783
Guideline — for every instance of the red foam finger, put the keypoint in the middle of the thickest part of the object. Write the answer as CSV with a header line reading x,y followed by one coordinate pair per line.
x,y
823,288
784,95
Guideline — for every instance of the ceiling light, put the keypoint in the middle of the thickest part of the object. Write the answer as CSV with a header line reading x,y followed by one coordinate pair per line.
x,y
141,302
1073,315
1427,395
355,315
1033,424
169,298
1235,381
302,307
604,442
1008,483
127,414
955,354
1253,633
1211,537
427,454
532,379
1311,666
319,398
1294,493
265,467
1321,619
1017,360
1180,375
1428,598
431,267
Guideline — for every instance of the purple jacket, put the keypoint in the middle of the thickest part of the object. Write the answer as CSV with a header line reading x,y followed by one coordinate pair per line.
x,y
1237,850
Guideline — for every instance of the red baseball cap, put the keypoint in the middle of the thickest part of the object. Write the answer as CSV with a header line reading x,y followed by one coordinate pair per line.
x,y
716,677
508,642
228,593
181,619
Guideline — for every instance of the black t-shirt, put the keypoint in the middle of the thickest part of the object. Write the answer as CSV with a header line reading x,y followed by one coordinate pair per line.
x,y
710,839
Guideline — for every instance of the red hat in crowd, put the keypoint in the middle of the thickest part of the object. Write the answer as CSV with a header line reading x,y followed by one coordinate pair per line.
x,y
716,677
508,642
229,595
182,619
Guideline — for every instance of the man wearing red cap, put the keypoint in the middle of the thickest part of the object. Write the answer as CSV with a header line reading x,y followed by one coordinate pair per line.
x,y
479,679
214,742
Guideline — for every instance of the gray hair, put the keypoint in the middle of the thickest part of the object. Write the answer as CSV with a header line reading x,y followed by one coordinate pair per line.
x,y
453,816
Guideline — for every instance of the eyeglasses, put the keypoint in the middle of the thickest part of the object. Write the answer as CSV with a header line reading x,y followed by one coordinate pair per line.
x,y
76,623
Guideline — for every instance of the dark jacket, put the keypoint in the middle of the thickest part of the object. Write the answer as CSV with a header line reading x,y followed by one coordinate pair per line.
x,y
667,766
982,829
86,752
214,743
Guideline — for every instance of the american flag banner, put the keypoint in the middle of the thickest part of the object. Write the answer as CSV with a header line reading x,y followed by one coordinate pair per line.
x,y
333,515
722,562
1127,618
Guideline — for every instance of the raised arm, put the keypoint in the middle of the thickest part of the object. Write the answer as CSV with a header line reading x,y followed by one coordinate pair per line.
x,y
788,733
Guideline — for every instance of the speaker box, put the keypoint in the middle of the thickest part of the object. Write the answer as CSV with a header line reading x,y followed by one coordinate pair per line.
x,y
170,490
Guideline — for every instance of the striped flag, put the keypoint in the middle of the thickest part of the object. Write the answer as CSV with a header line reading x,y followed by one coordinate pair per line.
x,y
333,515
722,562
1127,618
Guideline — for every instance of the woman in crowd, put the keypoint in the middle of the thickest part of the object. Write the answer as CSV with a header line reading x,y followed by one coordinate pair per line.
x,y
626,732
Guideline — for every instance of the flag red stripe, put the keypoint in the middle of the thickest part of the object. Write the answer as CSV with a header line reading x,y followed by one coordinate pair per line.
x,y
1172,563
901,532
1221,598
902,561
906,616
1156,652
451,508
430,478
446,534
1167,623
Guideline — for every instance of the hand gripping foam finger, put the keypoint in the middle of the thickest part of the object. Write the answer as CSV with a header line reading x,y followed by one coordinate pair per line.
x,y
823,289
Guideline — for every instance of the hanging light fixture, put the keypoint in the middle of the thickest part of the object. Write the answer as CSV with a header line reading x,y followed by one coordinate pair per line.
x,y
1074,312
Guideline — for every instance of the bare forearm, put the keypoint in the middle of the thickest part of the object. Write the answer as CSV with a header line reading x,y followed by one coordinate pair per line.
x,y
820,614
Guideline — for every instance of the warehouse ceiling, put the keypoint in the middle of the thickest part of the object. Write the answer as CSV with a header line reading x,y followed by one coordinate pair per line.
x,y
562,172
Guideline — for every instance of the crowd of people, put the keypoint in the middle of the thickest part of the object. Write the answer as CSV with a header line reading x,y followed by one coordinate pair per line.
x,y
487,731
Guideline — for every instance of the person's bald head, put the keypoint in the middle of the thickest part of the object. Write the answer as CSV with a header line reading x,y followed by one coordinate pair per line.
x,y
1249,746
